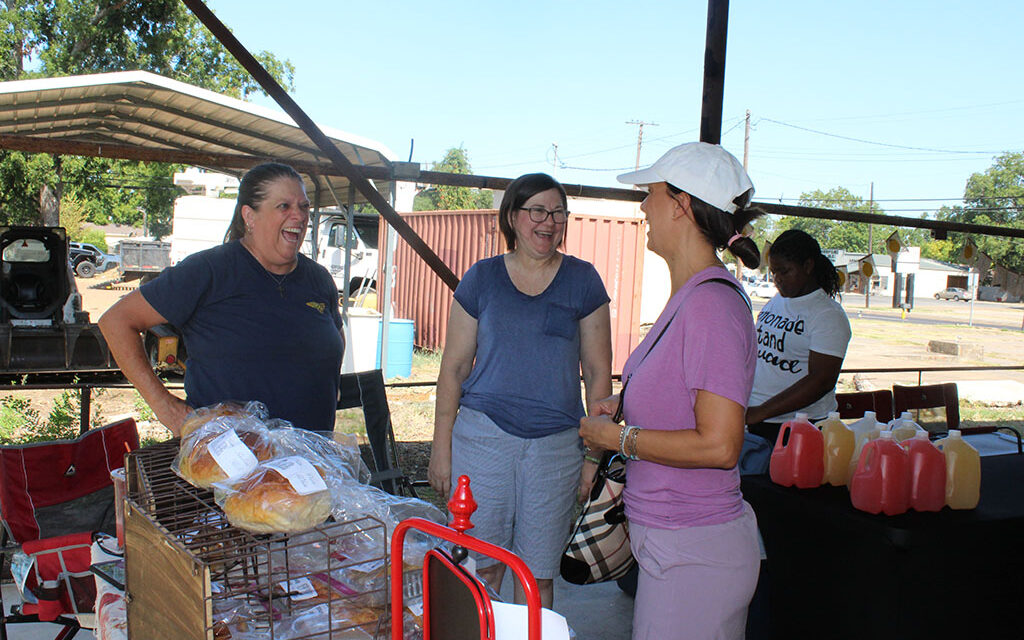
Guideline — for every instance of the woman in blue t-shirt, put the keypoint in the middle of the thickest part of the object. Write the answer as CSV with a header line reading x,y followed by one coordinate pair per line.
x,y
508,392
260,320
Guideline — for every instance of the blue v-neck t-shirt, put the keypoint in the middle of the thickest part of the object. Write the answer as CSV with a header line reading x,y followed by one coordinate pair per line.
x,y
526,376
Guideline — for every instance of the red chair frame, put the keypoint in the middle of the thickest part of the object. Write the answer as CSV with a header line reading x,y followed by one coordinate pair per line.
x,y
853,405
461,506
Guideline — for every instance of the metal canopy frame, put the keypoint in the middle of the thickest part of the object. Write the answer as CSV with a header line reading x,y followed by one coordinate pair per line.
x,y
138,115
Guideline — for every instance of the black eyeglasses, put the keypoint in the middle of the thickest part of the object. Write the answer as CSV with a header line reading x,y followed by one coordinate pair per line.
x,y
540,214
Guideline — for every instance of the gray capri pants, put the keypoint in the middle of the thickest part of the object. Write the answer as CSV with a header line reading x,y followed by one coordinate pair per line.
x,y
525,488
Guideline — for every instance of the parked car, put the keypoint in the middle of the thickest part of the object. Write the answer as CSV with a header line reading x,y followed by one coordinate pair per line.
x,y
87,259
953,293
761,289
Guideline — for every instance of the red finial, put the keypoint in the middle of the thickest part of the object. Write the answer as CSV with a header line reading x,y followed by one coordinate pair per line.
x,y
462,505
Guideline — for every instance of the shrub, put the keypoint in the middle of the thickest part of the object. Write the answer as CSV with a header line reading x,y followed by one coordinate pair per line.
x,y
96,238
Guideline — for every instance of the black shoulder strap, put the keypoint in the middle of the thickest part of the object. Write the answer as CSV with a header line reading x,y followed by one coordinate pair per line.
x,y
735,287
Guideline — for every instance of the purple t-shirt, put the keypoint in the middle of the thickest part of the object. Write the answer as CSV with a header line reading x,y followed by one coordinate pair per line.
x,y
709,345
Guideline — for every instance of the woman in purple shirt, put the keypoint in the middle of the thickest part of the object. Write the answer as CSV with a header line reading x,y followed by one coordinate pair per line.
x,y
683,401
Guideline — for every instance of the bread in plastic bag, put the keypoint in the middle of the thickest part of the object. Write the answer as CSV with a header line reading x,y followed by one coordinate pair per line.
x,y
201,415
224,447
338,451
282,495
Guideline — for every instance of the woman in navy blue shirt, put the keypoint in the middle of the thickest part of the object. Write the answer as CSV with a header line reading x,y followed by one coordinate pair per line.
x,y
260,320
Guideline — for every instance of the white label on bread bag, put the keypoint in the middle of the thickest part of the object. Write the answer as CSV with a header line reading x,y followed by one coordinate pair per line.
x,y
231,455
298,589
302,475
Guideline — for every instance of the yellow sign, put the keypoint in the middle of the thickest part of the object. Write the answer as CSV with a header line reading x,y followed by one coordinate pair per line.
x,y
970,252
894,244
867,268
842,277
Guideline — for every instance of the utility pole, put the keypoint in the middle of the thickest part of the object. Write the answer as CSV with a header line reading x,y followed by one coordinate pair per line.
x,y
554,160
871,247
738,271
871,209
746,141
640,137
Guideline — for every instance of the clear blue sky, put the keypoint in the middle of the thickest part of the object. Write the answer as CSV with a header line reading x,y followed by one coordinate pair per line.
x,y
930,91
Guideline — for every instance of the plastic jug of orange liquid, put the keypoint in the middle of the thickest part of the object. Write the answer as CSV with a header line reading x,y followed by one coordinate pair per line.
x,y
839,442
864,430
927,474
798,456
963,471
881,483
903,428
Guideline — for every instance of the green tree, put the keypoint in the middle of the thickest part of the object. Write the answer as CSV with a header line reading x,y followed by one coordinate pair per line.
x,y
63,37
832,234
995,197
449,198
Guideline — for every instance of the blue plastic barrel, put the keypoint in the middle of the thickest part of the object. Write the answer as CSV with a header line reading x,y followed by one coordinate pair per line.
x,y
400,336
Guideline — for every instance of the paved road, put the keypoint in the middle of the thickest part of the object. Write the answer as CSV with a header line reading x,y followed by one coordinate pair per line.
x,y
991,315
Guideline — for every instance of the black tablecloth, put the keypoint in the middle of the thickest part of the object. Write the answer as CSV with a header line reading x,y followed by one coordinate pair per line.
x,y
835,572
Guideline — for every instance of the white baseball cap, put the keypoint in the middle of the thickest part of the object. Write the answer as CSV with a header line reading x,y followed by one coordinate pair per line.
x,y
706,171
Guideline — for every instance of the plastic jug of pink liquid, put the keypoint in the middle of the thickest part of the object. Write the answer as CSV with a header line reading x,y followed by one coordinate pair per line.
x,y
864,430
881,483
963,471
927,474
798,456
839,443
904,428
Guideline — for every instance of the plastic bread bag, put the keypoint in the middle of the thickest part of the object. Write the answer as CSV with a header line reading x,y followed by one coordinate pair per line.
x,y
200,416
352,500
223,448
331,546
343,620
237,620
339,451
283,495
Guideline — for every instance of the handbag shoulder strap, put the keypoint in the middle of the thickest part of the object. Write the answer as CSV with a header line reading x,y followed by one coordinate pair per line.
x,y
661,333
617,416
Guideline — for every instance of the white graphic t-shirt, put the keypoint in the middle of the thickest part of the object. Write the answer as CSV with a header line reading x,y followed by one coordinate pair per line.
x,y
788,329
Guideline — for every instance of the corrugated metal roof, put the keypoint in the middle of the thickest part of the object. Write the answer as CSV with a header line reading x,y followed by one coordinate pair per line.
x,y
145,110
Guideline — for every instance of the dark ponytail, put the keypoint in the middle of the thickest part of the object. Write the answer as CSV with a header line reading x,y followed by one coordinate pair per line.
x,y
719,227
798,247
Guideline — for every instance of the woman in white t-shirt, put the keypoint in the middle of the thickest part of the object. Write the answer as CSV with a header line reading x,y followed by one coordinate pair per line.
x,y
802,335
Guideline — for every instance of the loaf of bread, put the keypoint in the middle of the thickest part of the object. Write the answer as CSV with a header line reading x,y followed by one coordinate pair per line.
x,y
198,466
266,502
204,415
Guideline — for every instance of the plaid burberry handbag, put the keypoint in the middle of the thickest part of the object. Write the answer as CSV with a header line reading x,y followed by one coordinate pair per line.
x,y
599,547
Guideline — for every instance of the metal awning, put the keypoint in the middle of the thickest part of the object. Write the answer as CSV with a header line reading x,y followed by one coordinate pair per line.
x,y
143,116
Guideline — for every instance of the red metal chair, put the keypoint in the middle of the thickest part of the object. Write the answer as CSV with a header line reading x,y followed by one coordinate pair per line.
x,y
456,605
53,497
931,396
853,405
944,396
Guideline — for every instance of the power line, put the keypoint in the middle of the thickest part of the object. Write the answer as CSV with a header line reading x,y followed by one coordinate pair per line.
x,y
874,142
905,199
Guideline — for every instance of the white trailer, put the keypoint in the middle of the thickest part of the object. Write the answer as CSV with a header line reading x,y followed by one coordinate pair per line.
x,y
200,222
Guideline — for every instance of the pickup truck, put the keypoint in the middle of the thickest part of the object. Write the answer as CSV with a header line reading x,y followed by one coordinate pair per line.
x,y
87,260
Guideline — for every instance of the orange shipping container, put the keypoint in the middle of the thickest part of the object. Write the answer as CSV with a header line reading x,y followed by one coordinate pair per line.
x,y
615,246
